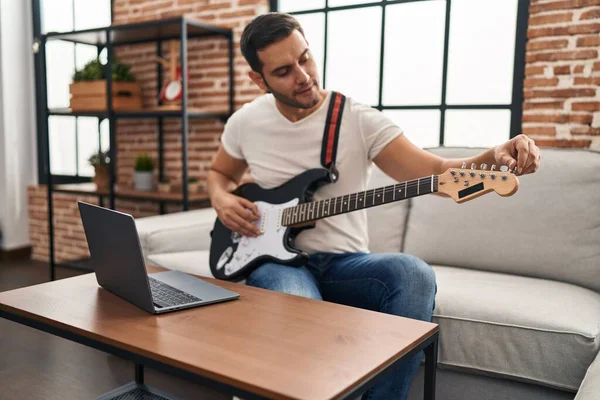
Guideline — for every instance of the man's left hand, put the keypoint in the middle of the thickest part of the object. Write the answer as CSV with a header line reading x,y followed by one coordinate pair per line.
x,y
521,152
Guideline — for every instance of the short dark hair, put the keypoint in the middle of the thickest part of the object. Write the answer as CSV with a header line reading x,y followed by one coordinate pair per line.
x,y
263,31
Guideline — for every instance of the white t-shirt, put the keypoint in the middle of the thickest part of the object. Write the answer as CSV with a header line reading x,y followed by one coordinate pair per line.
x,y
277,150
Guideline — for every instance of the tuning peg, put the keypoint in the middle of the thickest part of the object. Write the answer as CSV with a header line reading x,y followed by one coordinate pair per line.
x,y
472,166
503,168
493,167
464,165
483,166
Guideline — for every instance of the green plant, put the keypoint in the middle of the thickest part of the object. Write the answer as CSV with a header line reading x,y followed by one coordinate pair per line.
x,y
143,163
94,70
99,158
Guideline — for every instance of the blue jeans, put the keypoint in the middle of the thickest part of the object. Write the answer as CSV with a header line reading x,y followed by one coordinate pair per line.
x,y
392,283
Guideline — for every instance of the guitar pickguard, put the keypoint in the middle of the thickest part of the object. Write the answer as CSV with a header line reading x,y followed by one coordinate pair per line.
x,y
269,243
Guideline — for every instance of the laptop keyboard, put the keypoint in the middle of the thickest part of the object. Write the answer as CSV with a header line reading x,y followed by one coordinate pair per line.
x,y
165,295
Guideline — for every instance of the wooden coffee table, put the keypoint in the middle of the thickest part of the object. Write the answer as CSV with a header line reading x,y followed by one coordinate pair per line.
x,y
263,345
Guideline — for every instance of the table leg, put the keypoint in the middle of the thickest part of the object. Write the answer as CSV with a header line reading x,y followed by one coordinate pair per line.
x,y
139,373
431,354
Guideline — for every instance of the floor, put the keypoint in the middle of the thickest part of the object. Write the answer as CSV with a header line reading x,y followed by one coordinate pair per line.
x,y
36,365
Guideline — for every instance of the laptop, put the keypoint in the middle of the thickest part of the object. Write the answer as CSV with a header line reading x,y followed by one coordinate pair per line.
x,y
117,260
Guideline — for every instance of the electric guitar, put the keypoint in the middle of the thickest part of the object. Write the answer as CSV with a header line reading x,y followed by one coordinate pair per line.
x,y
288,209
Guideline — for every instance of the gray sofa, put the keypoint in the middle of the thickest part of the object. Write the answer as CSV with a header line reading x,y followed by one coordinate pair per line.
x,y
518,299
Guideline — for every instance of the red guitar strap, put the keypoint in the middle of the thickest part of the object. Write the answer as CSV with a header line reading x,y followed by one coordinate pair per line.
x,y
332,133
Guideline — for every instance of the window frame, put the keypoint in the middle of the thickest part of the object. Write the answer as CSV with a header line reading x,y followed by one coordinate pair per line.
x,y
41,102
516,105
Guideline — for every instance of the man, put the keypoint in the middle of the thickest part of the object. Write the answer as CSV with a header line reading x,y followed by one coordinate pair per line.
x,y
279,135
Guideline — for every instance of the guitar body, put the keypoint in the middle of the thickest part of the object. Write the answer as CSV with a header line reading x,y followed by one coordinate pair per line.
x,y
233,257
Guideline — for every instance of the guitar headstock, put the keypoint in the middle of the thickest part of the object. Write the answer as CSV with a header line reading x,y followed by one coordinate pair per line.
x,y
464,184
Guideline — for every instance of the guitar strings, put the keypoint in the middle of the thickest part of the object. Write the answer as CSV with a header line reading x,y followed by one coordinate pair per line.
x,y
316,205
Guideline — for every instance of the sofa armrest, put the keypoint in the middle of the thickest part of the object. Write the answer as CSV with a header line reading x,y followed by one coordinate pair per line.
x,y
176,232
590,387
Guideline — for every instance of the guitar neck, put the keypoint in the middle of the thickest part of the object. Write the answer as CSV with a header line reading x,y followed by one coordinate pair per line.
x,y
312,211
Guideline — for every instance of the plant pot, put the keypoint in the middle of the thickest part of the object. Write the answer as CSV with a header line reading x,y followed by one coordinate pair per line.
x,y
101,178
143,180
91,95
193,187
164,187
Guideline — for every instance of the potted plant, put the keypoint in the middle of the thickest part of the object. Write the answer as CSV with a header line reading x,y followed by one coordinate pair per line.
x,y
144,166
88,90
100,161
193,185
164,186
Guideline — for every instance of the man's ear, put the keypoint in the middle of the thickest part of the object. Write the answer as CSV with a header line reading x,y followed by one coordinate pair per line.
x,y
258,80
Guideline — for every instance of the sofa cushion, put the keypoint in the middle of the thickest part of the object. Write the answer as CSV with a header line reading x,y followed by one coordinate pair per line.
x,y
525,328
191,262
180,231
550,228
385,223
590,387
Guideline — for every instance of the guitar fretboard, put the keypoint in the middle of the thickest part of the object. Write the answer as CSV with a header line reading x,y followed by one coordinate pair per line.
x,y
314,210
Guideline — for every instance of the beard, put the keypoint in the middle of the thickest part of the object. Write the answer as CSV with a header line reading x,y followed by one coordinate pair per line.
x,y
291,101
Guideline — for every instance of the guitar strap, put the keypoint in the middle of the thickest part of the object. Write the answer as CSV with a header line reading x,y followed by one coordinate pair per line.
x,y
332,133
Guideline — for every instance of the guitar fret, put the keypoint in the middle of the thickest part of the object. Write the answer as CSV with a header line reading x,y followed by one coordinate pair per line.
x,y
356,202
418,184
405,189
383,197
329,207
335,204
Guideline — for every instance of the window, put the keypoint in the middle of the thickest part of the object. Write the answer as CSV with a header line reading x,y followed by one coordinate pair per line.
x,y
446,71
72,139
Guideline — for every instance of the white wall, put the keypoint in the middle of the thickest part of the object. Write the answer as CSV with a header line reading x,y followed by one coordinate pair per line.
x,y
18,152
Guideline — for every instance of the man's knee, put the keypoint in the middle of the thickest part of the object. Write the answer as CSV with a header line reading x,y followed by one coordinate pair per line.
x,y
407,273
284,279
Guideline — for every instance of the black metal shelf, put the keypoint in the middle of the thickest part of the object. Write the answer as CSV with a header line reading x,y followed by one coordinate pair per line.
x,y
109,37
191,113
89,189
143,32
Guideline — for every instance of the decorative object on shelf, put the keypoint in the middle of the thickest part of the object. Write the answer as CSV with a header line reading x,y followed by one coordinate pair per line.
x,y
164,186
100,161
194,186
144,167
170,94
88,90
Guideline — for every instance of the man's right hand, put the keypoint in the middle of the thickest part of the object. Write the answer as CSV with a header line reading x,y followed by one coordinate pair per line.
x,y
237,213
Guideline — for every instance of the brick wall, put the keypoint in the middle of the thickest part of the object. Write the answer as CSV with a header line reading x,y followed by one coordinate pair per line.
x,y
561,107
208,66
562,95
